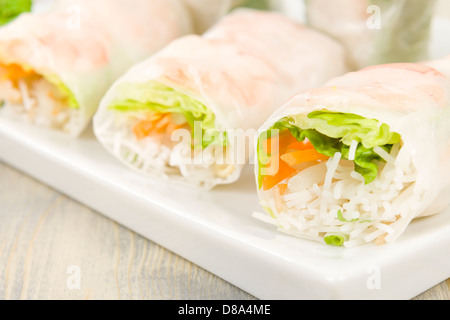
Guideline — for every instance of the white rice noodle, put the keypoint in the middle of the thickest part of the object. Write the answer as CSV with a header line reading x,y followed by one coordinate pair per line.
x,y
36,102
384,155
353,148
332,166
27,101
376,212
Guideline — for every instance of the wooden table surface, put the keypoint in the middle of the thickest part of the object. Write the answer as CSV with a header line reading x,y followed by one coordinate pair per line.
x,y
52,247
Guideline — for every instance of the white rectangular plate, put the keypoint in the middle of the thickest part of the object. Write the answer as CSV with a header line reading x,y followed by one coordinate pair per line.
x,y
216,230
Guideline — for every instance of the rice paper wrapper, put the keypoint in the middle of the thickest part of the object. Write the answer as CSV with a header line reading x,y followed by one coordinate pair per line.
x,y
242,70
376,31
413,100
87,45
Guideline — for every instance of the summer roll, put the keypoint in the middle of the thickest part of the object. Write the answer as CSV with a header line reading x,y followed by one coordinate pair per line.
x,y
175,115
355,161
376,31
11,9
56,66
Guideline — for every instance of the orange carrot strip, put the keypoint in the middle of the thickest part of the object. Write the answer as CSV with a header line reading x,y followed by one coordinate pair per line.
x,y
285,138
172,127
282,187
298,157
297,145
143,129
161,125
284,172
291,153
157,123
14,72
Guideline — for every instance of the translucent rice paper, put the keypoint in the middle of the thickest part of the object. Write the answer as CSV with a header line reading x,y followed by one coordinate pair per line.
x,y
414,100
376,31
242,70
89,44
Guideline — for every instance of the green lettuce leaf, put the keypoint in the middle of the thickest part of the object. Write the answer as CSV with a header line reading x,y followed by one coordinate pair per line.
x,y
342,219
69,96
10,9
157,97
332,132
348,127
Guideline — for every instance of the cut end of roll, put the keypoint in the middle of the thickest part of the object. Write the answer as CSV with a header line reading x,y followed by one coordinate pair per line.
x,y
30,97
163,133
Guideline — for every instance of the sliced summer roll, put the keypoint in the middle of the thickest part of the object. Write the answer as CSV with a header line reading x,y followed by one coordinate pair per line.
x,y
175,114
354,162
376,31
57,65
